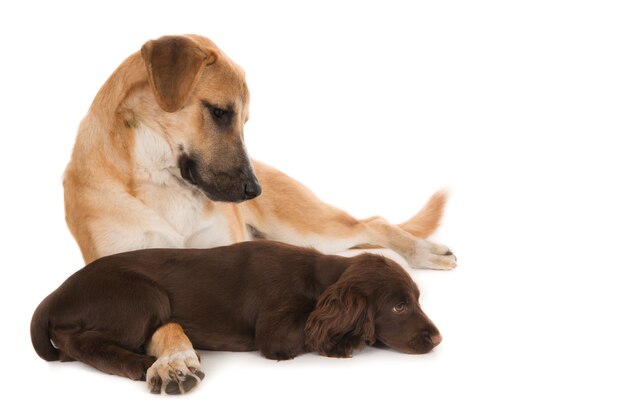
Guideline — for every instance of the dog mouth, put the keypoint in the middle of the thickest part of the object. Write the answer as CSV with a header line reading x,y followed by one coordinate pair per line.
x,y
226,187
187,170
415,346
421,347
425,342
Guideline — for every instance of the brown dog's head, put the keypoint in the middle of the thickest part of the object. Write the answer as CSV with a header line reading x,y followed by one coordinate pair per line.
x,y
202,100
374,299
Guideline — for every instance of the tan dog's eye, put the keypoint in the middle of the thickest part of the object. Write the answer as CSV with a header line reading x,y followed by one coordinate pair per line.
x,y
218,113
400,308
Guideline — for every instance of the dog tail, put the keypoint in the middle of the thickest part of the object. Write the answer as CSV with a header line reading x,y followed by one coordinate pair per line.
x,y
427,220
40,332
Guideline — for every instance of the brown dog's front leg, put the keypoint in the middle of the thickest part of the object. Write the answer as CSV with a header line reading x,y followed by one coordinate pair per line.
x,y
176,370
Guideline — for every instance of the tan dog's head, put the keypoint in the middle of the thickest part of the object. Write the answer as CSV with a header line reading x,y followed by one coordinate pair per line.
x,y
193,80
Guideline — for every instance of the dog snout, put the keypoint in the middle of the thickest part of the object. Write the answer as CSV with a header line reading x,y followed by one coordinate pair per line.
x,y
252,188
432,336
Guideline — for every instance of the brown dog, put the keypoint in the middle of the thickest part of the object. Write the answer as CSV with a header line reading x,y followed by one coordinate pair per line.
x,y
160,161
267,296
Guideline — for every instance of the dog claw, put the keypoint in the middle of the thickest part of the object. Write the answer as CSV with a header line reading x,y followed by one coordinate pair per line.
x,y
172,387
189,383
155,385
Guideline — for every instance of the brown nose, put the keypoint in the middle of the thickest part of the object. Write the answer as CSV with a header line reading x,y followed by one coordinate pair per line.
x,y
436,339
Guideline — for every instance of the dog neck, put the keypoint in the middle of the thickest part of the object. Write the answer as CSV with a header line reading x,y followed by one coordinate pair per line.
x,y
329,270
124,123
106,134
130,76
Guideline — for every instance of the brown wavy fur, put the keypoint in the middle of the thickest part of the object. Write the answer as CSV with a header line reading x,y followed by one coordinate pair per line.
x,y
343,320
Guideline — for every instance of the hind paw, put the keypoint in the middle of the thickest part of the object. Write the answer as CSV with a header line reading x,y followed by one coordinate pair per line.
x,y
432,256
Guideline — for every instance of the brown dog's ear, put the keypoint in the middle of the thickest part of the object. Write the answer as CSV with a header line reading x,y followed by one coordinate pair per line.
x,y
174,65
341,322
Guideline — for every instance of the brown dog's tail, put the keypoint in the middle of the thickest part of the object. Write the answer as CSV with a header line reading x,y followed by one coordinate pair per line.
x,y
40,333
426,221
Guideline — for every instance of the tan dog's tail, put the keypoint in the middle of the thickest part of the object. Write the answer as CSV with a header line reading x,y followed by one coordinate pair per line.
x,y
40,333
426,221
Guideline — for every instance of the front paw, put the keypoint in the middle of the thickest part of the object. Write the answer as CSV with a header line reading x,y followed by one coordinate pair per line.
x,y
175,373
429,255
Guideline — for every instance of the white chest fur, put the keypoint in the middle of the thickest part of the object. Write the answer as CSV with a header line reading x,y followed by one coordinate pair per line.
x,y
160,187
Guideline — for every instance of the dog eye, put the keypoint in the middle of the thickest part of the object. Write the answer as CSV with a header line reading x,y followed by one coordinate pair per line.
x,y
400,308
218,113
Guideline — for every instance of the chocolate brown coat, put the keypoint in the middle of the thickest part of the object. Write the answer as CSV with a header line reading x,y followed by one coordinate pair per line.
x,y
280,299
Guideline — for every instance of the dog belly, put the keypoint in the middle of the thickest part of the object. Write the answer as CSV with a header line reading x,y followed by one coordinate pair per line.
x,y
231,342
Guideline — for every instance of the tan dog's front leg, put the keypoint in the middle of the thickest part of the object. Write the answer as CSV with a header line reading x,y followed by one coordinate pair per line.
x,y
176,369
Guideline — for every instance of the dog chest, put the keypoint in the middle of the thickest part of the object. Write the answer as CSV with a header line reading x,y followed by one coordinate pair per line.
x,y
159,186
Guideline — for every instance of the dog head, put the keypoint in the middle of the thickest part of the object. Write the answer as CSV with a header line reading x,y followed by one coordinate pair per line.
x,y
202,100
374,299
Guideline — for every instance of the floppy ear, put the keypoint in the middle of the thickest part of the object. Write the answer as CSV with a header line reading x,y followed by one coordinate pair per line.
x,y
174,65
341,322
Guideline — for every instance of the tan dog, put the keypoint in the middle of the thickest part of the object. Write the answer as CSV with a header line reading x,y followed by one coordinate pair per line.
x,y
160,160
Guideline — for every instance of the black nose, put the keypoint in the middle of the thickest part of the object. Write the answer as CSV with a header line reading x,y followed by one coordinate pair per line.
x,y
252,189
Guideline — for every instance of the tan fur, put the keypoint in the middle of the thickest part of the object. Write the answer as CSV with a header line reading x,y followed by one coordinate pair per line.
x,y
124,190
165,337
426,221
176,358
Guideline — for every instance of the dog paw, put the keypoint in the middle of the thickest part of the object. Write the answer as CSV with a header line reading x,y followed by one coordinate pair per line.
x,y
430,255
175,373
279,355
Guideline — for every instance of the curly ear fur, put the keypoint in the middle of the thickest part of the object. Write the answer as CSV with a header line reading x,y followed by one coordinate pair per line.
x,y
341,322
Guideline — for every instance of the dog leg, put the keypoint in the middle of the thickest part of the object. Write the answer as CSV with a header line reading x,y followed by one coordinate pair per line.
x,y
419,253
99,350
289,212
176,369
127,224
279,333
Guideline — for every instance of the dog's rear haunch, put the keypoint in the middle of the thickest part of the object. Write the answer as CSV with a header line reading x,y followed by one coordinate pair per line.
x,y
279,299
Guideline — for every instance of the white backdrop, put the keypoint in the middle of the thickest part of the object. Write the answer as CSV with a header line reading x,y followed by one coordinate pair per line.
x,y
516,107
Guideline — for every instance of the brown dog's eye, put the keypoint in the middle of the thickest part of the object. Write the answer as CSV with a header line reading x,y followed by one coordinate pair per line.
x,y
400,308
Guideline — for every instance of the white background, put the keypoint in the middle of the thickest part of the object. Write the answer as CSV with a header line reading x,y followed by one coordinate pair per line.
x,y
518,108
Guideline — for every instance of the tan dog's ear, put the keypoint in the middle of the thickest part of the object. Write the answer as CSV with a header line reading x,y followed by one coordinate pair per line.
x,y
341,322
174,65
